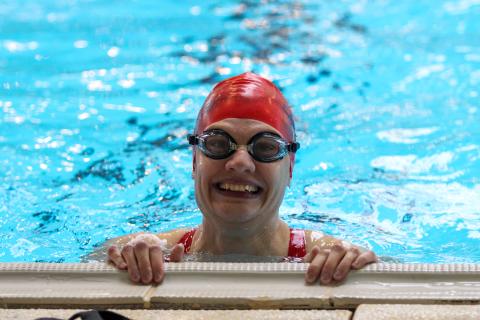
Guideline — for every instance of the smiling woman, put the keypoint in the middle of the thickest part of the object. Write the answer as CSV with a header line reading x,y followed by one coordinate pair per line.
x,y
243,159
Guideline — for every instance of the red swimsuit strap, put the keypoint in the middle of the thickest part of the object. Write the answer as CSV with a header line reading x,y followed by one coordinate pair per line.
x,y
186,239
297,247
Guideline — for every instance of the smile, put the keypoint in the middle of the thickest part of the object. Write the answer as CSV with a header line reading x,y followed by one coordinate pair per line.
x,y
238,187
238,190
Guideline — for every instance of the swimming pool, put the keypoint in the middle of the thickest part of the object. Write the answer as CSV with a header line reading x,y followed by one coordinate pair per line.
x,y
96,104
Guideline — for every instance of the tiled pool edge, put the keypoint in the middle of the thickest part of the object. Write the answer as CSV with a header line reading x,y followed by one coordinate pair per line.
x,y
235,286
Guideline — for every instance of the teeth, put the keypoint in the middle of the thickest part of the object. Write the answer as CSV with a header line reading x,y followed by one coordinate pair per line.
x,y
238,187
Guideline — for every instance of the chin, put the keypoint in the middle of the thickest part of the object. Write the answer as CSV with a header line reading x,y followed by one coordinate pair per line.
x,y
238,216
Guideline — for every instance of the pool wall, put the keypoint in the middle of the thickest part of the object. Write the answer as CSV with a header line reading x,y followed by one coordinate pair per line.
x,y
234,286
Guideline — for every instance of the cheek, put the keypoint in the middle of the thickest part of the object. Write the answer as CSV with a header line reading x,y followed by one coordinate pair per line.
x,y
283,178
206,170
200,165
282,170
276,175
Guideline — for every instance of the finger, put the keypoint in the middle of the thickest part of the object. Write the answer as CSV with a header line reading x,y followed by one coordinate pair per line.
x,y
336,254
115,257
156,259
309,256
142,253
315,267
129,256
345,264
364,259
177,253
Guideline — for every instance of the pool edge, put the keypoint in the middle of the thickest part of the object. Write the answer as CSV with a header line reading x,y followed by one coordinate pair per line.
x,y
214,285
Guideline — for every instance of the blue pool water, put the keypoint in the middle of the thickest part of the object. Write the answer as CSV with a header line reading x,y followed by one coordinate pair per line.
x,y
96,98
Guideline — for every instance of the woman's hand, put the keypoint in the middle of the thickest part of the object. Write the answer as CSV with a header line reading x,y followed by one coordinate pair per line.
x,y
333,264
143,258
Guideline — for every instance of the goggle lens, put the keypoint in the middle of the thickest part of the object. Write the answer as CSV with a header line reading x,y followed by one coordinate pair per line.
x,y
267,147
217,144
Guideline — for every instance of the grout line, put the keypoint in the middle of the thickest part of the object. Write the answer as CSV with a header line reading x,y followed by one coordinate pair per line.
x,y
330,296
352,313
148,296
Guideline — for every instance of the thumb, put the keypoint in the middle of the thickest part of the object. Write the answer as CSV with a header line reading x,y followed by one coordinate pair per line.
x,y
177,253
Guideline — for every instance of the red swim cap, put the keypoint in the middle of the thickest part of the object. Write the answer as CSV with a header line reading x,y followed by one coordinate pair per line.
x,y
248,96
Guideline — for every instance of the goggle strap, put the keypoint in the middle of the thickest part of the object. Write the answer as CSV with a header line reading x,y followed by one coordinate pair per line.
x,y
192,139
293,147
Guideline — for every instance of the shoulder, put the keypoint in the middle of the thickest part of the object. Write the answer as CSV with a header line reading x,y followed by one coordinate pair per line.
x,y
174,236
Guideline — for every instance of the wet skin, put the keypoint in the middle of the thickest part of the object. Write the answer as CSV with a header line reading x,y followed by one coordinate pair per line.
x,y
238,219
240,210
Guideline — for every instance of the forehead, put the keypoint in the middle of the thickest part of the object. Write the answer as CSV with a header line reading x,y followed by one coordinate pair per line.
x,y
242,127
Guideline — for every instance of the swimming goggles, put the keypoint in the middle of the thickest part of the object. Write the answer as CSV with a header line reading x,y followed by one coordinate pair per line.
x,y
263,147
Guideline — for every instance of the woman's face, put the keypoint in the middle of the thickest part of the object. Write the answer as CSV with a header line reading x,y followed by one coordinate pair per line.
x,y
240,190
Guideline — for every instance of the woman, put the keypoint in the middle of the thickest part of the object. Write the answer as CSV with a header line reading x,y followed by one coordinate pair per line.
x,y
243,157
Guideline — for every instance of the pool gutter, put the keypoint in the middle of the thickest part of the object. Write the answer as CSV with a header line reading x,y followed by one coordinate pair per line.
x,y
216,285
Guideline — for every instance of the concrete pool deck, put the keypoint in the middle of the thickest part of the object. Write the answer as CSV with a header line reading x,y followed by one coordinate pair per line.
x,y
363,312
228,286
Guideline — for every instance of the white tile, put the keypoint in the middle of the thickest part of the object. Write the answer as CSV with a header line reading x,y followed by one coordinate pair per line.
x,y
417,312
388,288
69,288
261,290
30,314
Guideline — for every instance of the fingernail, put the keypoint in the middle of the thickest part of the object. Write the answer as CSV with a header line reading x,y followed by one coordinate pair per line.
x,y
144,279
309,278
122,265
337,275
135,277
326,278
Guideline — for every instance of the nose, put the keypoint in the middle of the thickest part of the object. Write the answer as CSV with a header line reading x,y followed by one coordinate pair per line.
x,y
240,161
